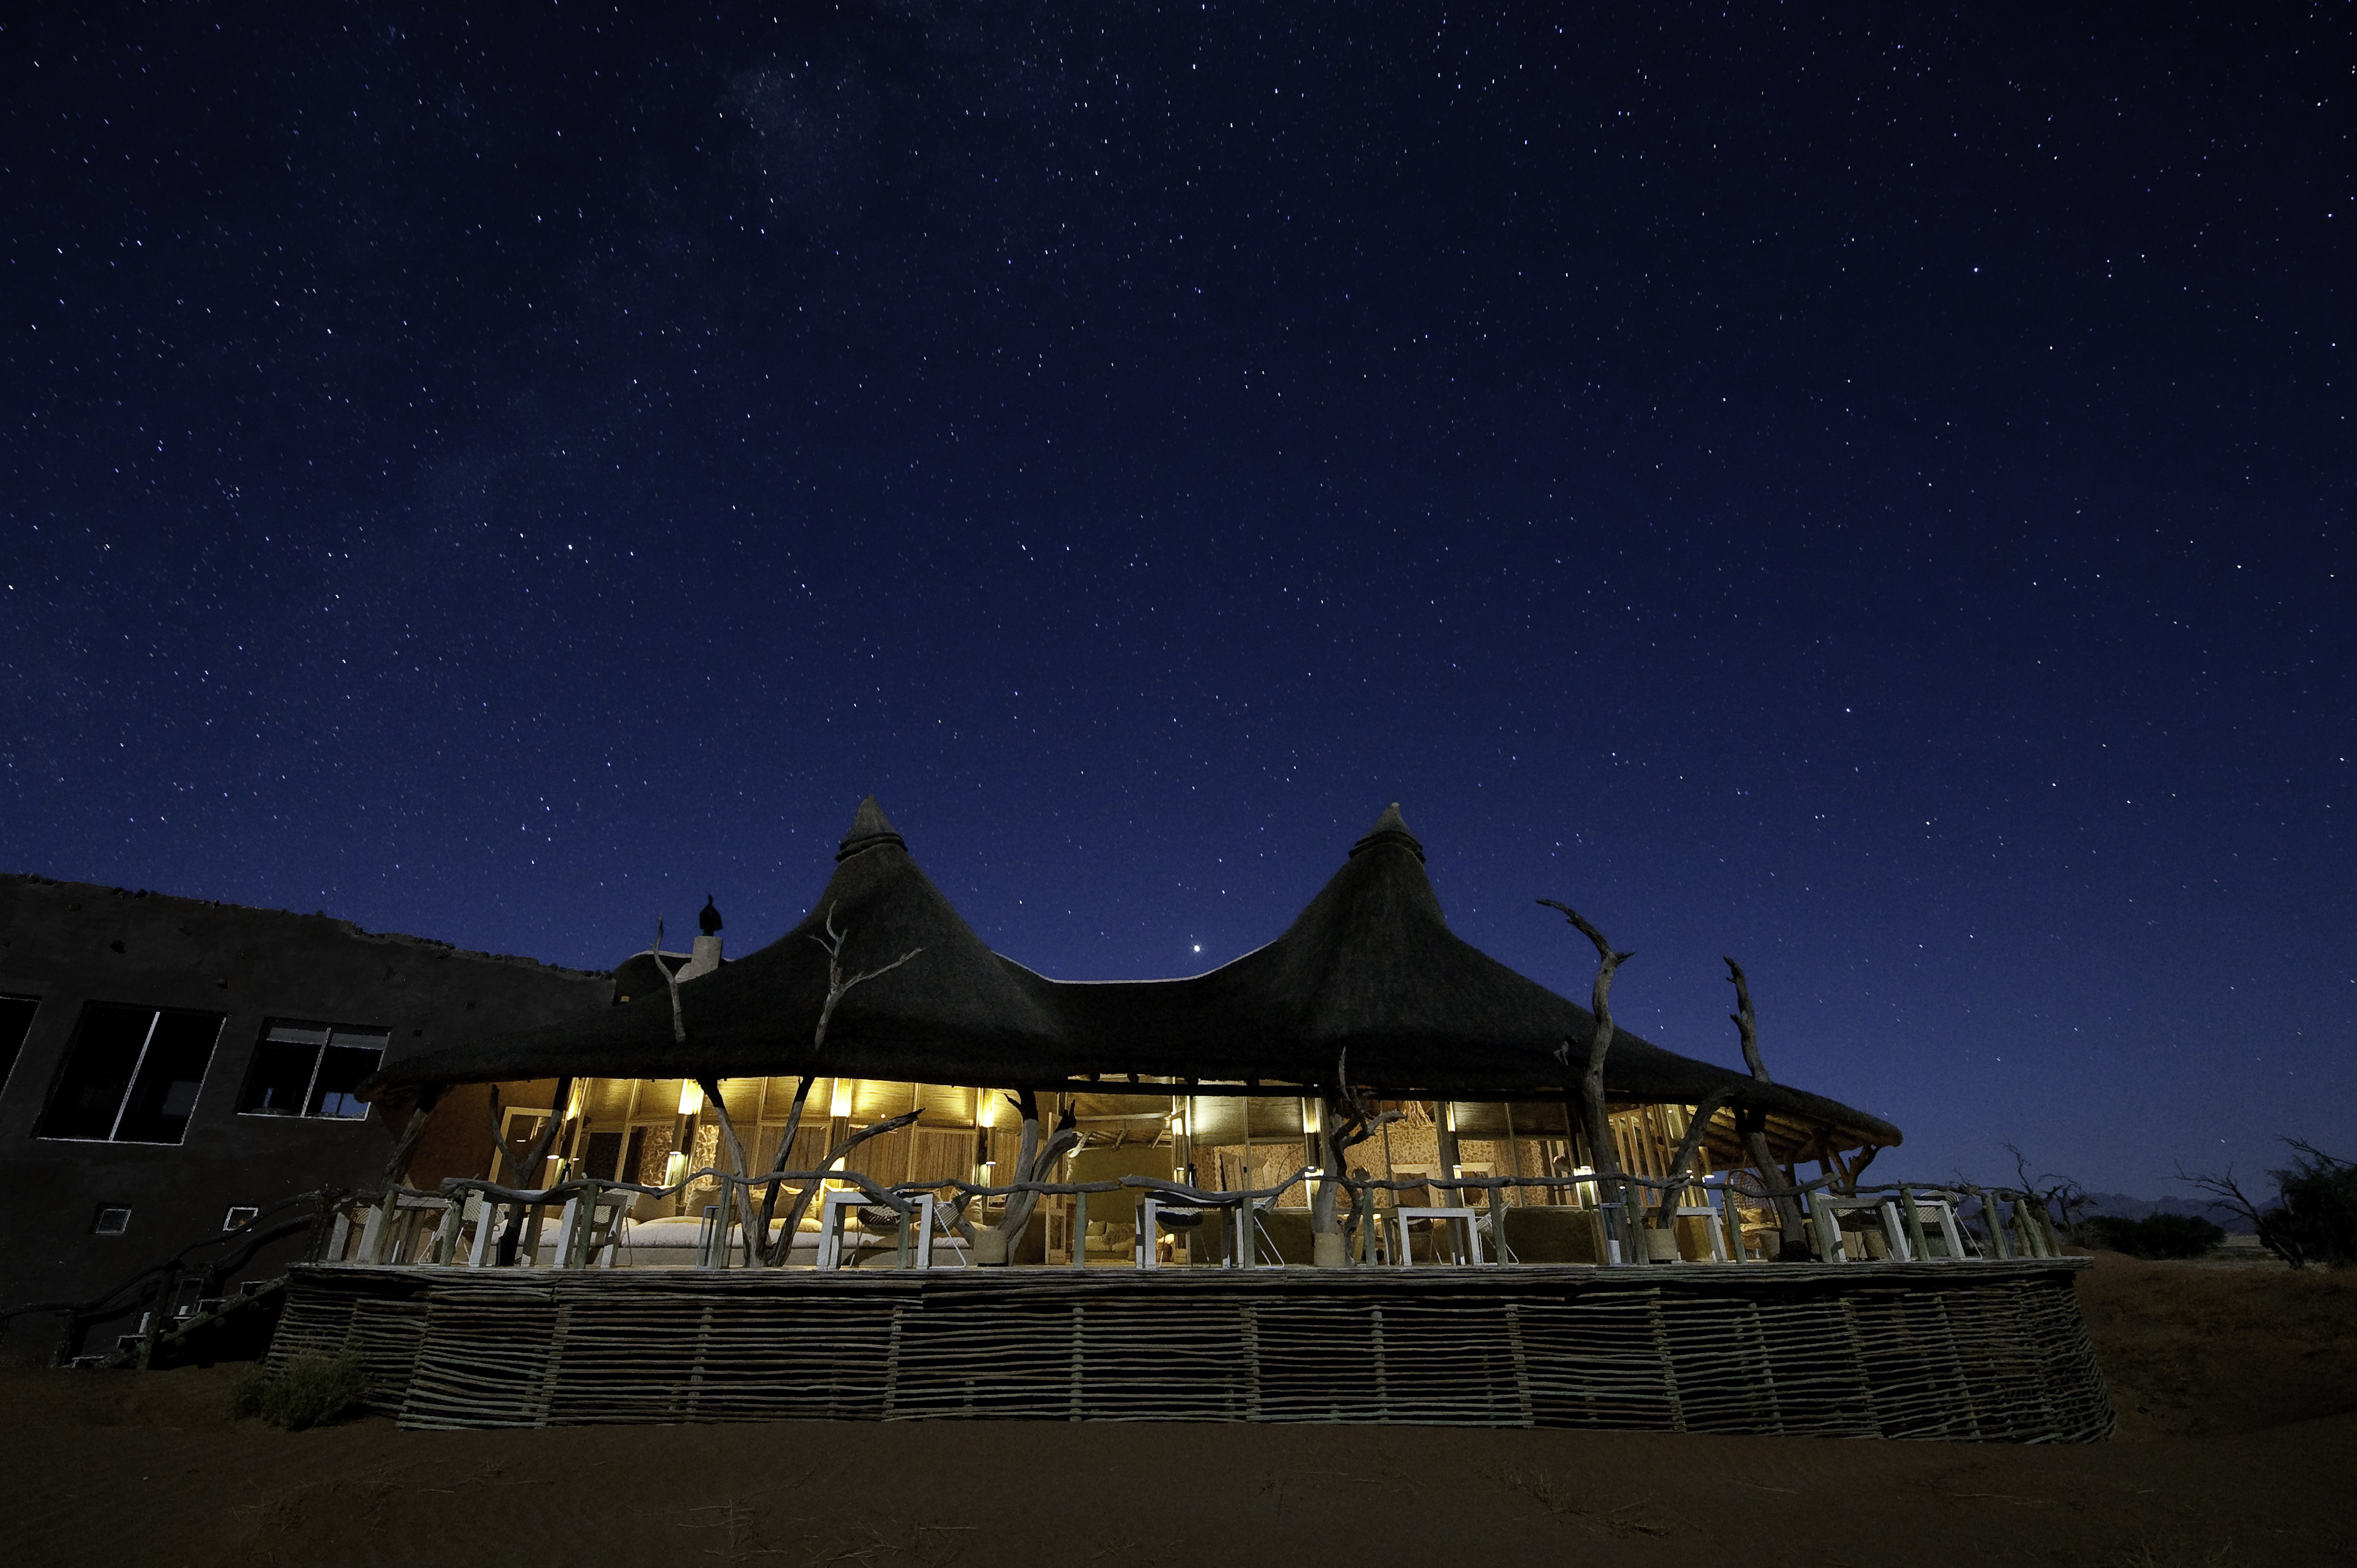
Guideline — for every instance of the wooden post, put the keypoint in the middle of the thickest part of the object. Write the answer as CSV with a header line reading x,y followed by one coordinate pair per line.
x,y
1078,1237
404,1151
1996,1224
446,1246
1829,1242
1916,1236
383,1222
568,1230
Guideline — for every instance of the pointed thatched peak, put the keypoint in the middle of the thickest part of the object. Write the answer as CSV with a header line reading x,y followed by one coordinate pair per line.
x,y
868,829
1390,828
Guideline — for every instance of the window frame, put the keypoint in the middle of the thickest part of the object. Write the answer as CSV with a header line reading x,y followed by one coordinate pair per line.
x,y
16,1053
113,1134
329,1040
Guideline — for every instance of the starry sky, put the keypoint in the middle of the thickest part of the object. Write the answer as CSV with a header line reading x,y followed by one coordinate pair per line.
x,y
1868,492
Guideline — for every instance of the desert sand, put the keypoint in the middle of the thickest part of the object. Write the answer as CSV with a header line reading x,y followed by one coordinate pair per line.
x,y
2237,1390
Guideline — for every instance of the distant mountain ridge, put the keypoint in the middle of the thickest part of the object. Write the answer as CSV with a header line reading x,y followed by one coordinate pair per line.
x,y
2120,1205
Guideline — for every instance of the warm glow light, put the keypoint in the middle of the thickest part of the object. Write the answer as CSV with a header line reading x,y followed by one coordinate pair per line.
x,y
674,1168
841,1105
986,1108
691,1098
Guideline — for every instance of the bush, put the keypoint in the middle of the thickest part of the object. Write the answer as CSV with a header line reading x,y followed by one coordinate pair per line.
x,y
309,1391
2159,1235
2318,1221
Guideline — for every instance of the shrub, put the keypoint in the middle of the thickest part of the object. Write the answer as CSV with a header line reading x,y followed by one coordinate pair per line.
x,y
307,1391
2159,1235
2318,1221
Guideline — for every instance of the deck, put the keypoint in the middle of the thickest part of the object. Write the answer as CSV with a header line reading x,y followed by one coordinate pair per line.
x,y
1968,1351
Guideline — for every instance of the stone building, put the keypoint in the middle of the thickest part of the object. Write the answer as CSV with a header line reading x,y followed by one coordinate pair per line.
x,y
172,1067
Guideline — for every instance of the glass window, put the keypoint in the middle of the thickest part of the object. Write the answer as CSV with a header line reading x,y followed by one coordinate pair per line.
x,y
604,1155
132,1075
312,1069
16,1023
164,1094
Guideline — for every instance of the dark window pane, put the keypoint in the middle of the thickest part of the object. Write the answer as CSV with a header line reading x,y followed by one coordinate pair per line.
x,y
97,1071
341,1071
16,1023
279,1078
169,1077
603,1157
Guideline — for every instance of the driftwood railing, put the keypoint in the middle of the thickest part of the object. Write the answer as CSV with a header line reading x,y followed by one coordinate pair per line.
x,y
168,1294
408,1225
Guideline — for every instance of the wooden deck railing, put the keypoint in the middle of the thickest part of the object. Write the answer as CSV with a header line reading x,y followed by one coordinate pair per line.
x,y
402,1225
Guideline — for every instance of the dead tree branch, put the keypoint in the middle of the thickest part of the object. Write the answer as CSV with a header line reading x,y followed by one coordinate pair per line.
x,y
838,986
1599,1120
1350,1121
1665,1212
2273,1236
2059,1197
1754,1127
1032,1161
528,1174
773,1253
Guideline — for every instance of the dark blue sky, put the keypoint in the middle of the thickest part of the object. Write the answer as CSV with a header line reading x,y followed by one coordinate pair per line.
x,y
1868,492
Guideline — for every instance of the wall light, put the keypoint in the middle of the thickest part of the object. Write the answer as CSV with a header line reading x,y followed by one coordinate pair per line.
x,y
840,1104
691,1098
674,1168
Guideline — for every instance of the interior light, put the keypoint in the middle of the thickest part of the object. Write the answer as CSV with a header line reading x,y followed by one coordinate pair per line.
x,y
691,1098
986,1108
840,1105
674,1168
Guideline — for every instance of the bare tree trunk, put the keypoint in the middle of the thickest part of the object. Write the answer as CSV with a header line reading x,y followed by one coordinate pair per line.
x,y
396,1166
529,1176
764,1256
1350,1121
1600,1119
1033,1162
1754,1128
778,1252
1665,1212
758,1251
730,1201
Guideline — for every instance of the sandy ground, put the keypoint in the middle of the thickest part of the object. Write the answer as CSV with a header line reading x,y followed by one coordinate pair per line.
x,y
2237,1388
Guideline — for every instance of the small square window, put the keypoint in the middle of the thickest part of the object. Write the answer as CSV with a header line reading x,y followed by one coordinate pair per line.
x,y
240,1216
312,1069
111,1219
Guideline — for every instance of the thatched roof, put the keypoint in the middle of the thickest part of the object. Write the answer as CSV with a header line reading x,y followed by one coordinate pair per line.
x,y
1370,968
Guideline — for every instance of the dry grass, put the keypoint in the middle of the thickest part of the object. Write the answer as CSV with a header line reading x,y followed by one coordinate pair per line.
x,y
2191,1350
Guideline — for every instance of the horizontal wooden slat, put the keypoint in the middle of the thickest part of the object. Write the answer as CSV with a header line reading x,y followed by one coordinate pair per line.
x,y
1977,1351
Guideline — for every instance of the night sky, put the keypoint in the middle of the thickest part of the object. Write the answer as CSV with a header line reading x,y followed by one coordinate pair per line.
x,y
1869,493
